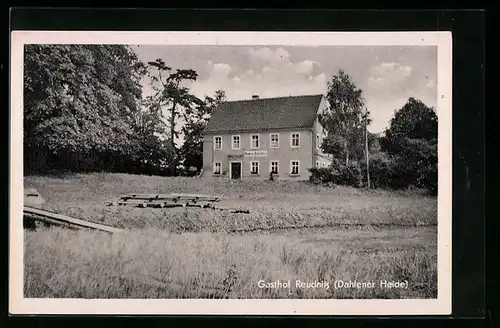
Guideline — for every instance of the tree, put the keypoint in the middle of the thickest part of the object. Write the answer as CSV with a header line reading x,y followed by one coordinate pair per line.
x,y
79,105
196,121
344,119
170,93
411,140
414,120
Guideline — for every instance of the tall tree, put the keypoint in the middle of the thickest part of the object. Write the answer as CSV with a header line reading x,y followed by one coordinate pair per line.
x,y
171,94
196,121
79,105
411,140
414,120
344,118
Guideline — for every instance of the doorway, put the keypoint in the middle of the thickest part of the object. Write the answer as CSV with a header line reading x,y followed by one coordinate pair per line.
x,y
235,170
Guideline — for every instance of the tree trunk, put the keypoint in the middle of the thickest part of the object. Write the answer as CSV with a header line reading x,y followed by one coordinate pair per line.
x,y
173,168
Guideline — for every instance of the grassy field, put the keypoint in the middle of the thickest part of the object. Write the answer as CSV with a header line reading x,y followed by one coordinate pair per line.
x,y
295,231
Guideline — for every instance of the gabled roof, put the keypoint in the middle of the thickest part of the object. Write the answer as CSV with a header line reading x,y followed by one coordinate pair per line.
x,y
265,113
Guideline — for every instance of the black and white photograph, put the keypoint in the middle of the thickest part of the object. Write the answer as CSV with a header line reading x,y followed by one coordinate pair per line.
x,y
246,172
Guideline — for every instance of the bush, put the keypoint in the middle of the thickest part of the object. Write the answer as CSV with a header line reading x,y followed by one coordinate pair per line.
x,y
381,170
340,174
348,175
321,175
416,167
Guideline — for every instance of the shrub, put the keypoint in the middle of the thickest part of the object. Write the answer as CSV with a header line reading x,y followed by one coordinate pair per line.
x,y
321,175
381,170
348,175
340,174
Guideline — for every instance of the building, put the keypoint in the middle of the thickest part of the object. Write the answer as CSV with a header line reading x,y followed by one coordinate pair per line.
x,y
249,139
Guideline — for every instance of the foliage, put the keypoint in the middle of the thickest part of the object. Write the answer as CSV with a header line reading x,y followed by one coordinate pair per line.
x,y
405,157
172,95
338,173
196,121
80,103
411,139
414,120
345,118
381,170
416,165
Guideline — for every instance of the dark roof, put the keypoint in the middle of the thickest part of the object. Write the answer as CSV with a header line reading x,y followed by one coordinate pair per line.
x,y
265,113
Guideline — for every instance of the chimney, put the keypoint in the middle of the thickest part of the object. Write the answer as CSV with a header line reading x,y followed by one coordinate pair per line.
x,y
255,97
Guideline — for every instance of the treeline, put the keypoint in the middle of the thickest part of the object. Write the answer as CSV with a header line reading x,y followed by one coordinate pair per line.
x,y
403,156
84,111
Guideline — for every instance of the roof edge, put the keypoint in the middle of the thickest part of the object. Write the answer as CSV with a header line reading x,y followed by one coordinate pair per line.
x,y
272,98
254,130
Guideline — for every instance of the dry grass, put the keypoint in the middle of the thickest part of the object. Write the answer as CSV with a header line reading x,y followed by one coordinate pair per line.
x,y
276,205
345,234
154,264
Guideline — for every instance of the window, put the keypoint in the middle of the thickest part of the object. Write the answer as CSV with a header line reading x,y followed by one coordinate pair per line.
x,y
274,140
295,139
218,142
294,167
254,141
317,164
318,141
236,142
323,164
254,167
217,168
274,167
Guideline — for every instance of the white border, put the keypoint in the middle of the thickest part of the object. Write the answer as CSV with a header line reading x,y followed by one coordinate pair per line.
x,y
441,305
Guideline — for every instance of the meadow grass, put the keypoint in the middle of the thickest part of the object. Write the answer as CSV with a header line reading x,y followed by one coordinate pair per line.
x,y
273,205
295,230
155,264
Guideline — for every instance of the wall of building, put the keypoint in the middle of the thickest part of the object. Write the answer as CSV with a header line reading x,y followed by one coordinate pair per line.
x,y
283,154
320,157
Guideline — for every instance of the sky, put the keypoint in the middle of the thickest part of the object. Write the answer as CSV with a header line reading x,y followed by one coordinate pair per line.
x,y
387,75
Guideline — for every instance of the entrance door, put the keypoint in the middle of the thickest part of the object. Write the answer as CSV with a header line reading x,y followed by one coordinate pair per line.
x,y
236,170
